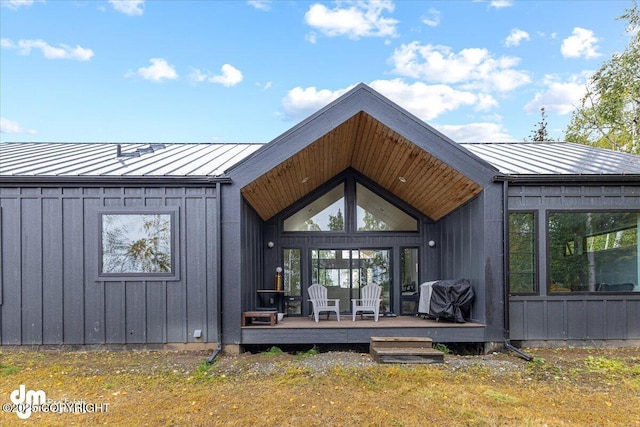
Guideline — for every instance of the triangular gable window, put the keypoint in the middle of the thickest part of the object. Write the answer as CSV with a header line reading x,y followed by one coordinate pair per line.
x,y
376,214
372,213
323,214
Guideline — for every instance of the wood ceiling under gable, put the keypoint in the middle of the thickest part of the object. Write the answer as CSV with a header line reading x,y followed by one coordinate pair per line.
x,y
373,149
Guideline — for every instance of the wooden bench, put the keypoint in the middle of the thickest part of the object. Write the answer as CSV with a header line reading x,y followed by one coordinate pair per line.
x,y
247,316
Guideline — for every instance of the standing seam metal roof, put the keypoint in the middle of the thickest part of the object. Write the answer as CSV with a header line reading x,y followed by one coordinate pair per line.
x,y
210,160
100,159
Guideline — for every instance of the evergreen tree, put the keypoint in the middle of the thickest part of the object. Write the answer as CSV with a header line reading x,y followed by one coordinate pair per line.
x,y
540,134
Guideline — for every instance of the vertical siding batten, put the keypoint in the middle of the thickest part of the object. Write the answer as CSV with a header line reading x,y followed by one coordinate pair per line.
x,y
95,306
52,284
31,259
12,250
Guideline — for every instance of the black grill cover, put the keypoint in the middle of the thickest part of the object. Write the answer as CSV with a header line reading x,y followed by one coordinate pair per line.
x,y
451,300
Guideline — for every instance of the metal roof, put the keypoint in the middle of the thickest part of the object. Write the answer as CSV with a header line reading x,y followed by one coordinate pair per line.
x,y
555,158
211,160
100,159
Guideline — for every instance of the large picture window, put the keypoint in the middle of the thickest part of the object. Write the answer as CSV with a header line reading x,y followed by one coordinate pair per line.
x,y
522,253
138,243
593,251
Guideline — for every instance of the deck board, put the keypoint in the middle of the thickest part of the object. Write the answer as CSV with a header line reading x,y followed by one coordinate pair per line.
x,y
367,323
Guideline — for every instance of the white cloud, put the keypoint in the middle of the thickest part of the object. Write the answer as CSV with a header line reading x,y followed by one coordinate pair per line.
x,y
432,19
515,37
425,101
582,43
63,51
311,37
260,4
15,4
360,19
157,71
230,76
128,7
499,4
476,132
301,102
485,102
7,126
472,67
558,96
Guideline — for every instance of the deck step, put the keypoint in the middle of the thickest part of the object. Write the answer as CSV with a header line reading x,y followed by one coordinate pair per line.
x,y
404,350
405,355
401,342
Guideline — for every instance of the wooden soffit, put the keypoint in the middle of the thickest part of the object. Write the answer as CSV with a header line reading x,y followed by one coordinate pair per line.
x,y
373,149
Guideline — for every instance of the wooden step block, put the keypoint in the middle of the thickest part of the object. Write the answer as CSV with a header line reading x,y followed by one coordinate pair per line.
x,y
401,342
248,316
407,355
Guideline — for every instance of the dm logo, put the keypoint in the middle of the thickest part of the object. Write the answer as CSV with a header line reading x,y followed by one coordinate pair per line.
x,y
27,400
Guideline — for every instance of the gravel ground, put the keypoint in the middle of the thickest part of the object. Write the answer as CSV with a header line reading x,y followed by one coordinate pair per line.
x,y
321,363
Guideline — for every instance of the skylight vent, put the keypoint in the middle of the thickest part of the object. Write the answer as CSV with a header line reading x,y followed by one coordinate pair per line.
x,y
139,151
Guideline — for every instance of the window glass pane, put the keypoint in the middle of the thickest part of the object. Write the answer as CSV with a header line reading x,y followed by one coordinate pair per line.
x,y
593,252
136,243
522,255
323,214
292,271
373,266
376,214
291,280
409,278
344,272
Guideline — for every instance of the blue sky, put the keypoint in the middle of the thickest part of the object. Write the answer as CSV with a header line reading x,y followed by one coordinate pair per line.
x,y
247,71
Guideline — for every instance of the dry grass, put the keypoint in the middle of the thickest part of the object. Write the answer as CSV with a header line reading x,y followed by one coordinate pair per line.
x,y
562,387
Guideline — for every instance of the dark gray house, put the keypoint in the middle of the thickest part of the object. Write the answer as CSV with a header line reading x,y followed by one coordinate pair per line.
x,y
169,244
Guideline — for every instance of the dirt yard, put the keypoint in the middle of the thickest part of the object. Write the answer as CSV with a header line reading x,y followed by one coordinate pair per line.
x,y
559,387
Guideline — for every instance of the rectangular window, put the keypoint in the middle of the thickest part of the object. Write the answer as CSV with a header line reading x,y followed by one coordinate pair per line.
x,y
593,251
522,253
138,244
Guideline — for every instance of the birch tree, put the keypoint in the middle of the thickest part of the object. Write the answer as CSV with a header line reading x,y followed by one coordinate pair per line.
x,y
609,114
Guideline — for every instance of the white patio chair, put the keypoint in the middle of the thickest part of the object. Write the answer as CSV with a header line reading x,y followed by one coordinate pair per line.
x,y
370,301
320,302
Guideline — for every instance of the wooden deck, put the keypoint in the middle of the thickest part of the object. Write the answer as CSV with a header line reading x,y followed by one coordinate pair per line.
x,y
304,330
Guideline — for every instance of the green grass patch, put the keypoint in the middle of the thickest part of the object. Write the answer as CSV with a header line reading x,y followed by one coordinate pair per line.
x,y
7,369
273,351
500,397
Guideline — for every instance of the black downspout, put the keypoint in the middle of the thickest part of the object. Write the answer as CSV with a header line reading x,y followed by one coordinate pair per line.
x,y
219,272
505,244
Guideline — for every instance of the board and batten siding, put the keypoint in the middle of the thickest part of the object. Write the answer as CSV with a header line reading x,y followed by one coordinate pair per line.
x,y
51,292
470,248
571,317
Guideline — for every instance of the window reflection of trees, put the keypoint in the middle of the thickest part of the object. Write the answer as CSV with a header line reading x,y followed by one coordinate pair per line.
x,y
521,252
589,250
138,243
